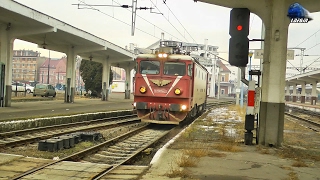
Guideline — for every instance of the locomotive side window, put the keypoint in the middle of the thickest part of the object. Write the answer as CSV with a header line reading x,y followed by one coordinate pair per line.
x,y
190,67
174,68
149,67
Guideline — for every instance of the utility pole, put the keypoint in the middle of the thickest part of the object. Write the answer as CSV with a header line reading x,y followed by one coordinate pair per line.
x,y
301,59
219,79
48,68
238,86
249,69
134,15
241,92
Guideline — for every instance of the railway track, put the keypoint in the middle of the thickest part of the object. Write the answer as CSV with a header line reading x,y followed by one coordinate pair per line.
x,y
14,138
218,103
113,152
20,137
315,125
303,115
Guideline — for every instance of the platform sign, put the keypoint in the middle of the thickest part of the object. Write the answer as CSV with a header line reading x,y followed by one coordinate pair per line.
x,y
257,100
258,54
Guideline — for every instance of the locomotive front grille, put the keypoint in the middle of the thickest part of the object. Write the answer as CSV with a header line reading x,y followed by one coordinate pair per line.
x,y
144,105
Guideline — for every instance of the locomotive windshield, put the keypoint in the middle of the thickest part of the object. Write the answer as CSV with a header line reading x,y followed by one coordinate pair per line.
x,y
174,68
149,67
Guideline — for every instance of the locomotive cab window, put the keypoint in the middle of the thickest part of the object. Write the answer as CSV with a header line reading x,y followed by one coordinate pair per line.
x,y
174,68
149,67
136,68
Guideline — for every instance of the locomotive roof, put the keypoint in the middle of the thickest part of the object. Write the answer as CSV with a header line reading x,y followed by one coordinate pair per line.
x,y
170,56
173,57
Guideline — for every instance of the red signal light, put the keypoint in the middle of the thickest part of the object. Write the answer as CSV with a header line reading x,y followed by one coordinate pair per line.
x,y
239,27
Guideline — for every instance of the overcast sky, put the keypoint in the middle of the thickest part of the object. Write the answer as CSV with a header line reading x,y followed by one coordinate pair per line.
x,y
187,21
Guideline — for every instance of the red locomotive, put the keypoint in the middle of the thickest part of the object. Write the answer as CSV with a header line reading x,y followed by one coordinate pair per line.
x,y
169,87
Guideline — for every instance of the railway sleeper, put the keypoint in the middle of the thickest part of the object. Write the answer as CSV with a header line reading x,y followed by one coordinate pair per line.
x,y
123,148
136,141
112,158
107,153
118,150
130,144
129,147
94,160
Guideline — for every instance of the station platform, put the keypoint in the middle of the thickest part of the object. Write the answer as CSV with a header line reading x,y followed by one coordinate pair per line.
x,y
53,107
306,104
246,165
36,109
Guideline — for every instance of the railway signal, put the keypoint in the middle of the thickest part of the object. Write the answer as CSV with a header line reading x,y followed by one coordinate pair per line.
x,y
239,42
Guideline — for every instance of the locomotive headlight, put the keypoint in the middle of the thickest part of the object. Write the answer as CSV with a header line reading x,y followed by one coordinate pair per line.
x,y
183,107
134,104
143,89
177,91
162,55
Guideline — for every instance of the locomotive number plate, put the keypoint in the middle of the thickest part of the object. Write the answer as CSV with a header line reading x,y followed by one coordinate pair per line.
x,y
162,91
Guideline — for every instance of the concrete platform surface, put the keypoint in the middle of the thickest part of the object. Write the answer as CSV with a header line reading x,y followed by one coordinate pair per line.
x,y
13,165
201,153
246,165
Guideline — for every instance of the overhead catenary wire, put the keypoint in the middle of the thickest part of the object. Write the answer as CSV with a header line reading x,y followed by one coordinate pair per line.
x,y
169,21
180,23
293,65
92,8
308,38
314,60
312,47
297,46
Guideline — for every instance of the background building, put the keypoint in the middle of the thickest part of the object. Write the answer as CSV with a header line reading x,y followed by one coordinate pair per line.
x,y
57,71
25,65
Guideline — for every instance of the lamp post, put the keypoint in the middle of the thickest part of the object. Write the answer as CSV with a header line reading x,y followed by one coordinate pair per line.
x,y
35,74
249,68
48,68
78,67
58,76
212,84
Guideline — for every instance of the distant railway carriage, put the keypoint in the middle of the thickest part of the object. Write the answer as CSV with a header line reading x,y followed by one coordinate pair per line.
x,y
169,87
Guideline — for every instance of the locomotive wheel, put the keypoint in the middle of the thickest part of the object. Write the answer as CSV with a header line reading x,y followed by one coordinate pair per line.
x,y
194,111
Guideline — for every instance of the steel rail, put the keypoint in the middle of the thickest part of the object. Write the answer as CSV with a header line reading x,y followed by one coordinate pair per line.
x,y
305,120
83,153
132,155
25,131
46,136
